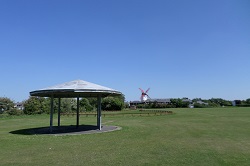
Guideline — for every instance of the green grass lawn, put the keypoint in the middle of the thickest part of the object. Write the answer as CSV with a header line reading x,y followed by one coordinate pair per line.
x,y
217,136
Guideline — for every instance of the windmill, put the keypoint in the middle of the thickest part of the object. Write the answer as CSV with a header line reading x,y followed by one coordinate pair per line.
x,y
144,95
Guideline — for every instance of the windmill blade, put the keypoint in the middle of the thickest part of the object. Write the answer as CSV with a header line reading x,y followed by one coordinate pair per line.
x,y
148,96
142,91
147,90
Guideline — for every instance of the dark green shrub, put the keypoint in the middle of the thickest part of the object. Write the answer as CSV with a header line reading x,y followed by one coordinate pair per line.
x,y
14,111
112,104
36,105
6,104
85,105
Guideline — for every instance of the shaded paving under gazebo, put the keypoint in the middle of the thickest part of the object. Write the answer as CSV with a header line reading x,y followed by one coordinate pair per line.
x,y
75,89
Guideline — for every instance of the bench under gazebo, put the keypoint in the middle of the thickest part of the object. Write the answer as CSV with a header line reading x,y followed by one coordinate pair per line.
x,y
75,89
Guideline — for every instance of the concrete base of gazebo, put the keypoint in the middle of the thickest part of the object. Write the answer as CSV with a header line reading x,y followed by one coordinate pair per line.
x,y
66,130
72,130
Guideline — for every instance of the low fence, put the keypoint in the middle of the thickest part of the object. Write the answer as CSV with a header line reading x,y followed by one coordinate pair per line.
x,y
162,111
105,113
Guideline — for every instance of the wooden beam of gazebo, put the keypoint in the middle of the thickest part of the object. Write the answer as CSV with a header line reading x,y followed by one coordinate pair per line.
x,y
75,89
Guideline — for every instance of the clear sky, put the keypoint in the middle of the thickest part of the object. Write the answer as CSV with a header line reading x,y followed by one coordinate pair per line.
x,y
178,48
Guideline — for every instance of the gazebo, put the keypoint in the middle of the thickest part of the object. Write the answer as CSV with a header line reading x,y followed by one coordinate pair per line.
x,y
75,89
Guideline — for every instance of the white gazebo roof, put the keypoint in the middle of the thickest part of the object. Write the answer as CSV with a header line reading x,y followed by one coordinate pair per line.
x,y
76,88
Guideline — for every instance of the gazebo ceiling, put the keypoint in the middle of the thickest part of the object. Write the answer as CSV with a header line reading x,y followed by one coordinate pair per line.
x,y
77,88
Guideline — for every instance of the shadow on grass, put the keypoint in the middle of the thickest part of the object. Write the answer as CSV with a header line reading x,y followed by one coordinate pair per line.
x,y
58,130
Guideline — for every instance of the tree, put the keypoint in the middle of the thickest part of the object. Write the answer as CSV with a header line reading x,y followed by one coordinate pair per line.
x,y
93,102
196,99
220,102
112,103
36,105
6,104
67,105
85,105
248,101
178,103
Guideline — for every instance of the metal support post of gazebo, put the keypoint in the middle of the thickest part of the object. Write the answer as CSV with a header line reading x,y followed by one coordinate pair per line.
x,y
99,114
77,113
51,113
59,111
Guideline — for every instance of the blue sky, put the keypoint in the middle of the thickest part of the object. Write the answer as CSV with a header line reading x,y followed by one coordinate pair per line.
x,y
178,48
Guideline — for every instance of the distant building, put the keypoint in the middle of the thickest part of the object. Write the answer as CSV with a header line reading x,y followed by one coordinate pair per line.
x,y
19,105
136,102
159,101
237,102
186,100
201,102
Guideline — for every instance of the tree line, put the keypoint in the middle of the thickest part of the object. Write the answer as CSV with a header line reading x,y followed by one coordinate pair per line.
x,y
195,103
41,105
